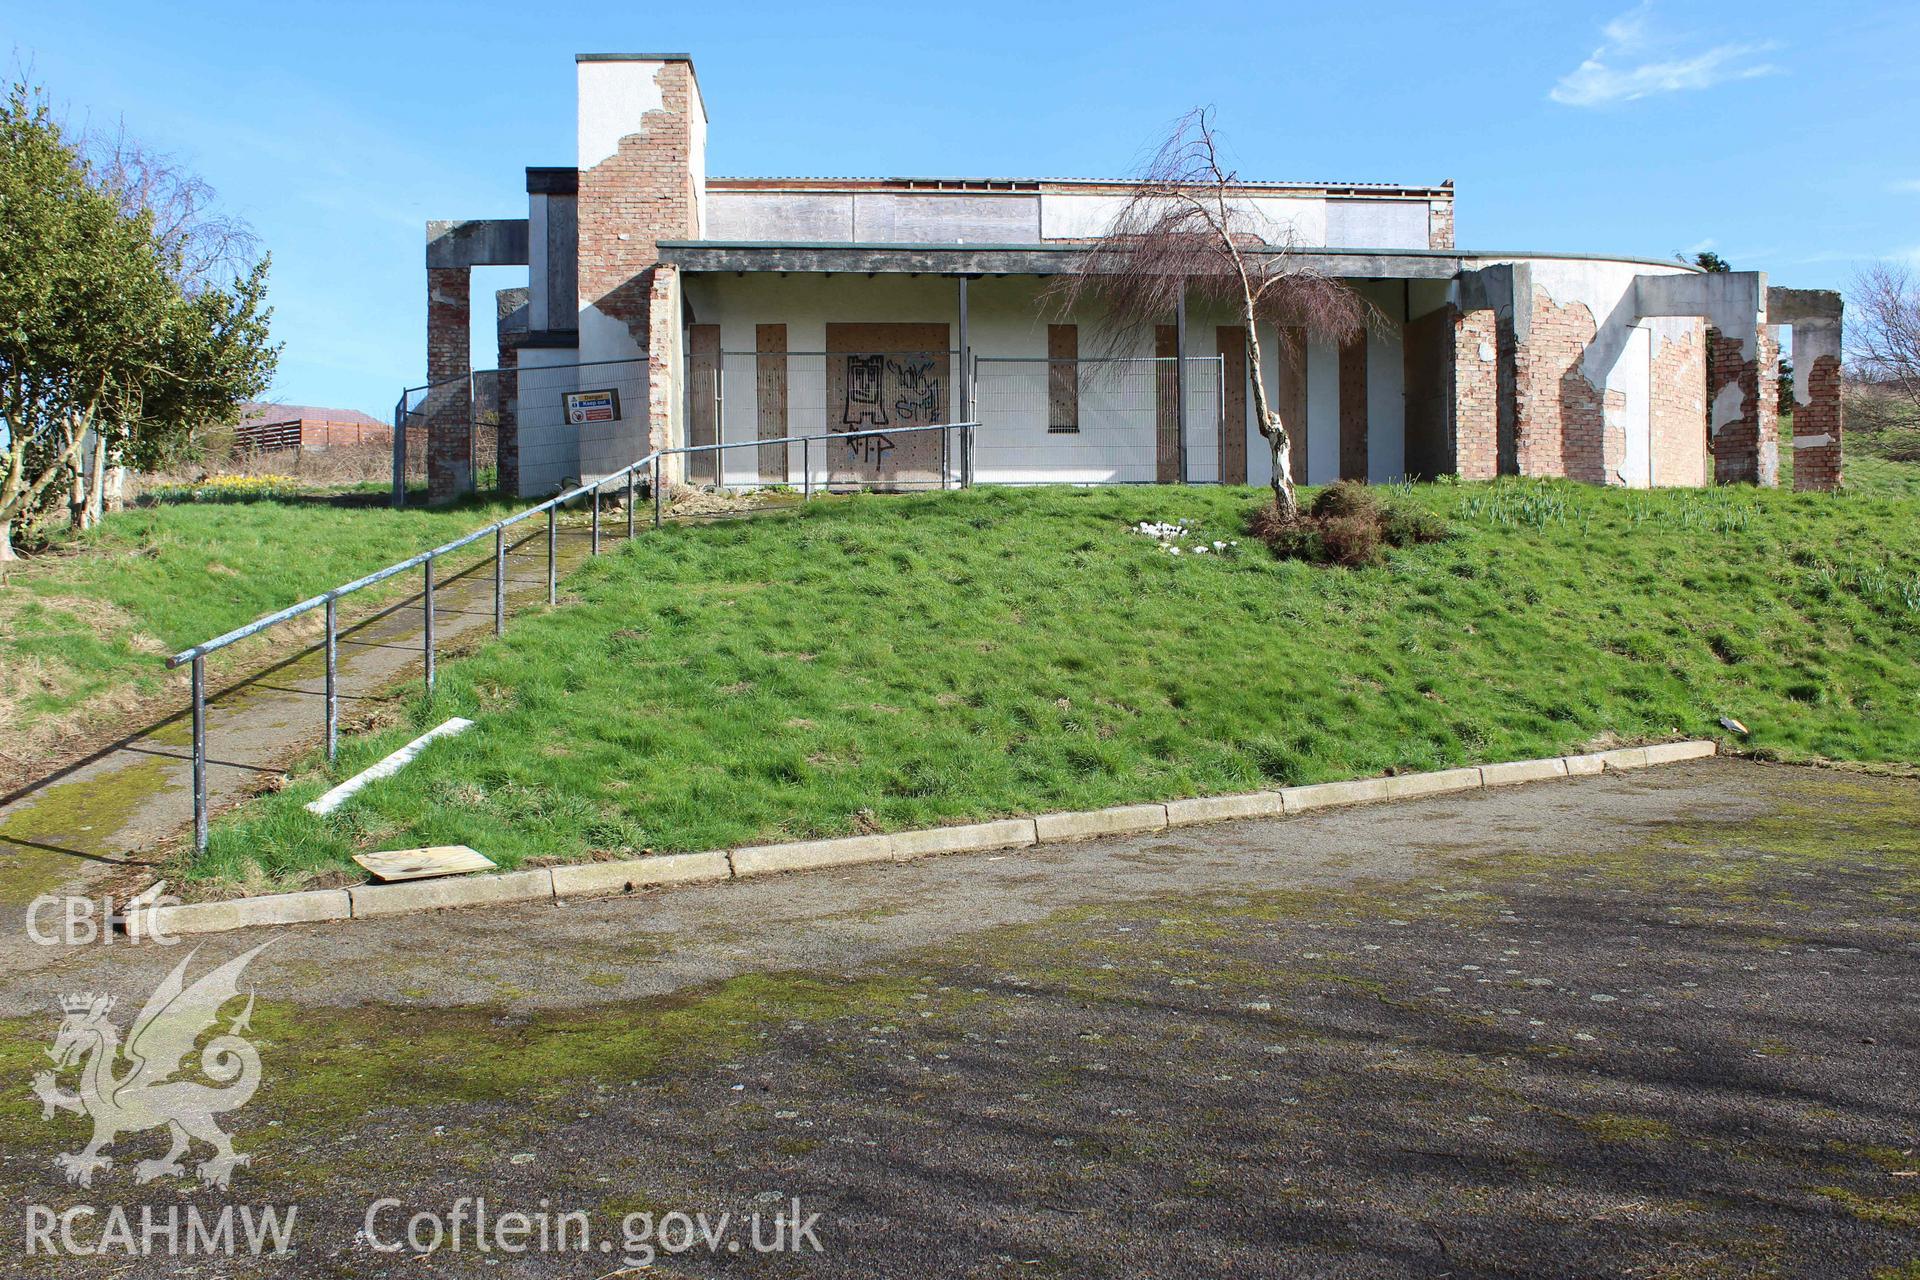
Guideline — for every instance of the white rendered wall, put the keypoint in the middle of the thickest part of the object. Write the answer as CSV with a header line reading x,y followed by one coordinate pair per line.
x,y
1006,318
1301,220
1323,413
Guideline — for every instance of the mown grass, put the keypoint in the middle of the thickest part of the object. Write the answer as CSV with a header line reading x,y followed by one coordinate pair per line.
x,y
887,662
90,618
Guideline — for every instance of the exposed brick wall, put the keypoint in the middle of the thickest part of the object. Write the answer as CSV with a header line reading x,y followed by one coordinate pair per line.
x,y
1440,224
1562,428
449,408
643,192
1769,388
663,362
1818,466
1677,407
507,441
1746,449
1476,395
510,337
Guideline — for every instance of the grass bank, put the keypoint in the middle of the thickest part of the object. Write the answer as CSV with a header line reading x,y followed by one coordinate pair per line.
x,y
892,662
85,623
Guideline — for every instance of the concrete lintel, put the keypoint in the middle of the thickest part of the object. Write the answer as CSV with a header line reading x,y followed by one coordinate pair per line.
x,y
1500,288
553,180
1803,306
477,242
1734,302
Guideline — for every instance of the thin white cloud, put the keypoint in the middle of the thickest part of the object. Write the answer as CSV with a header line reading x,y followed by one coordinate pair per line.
x,y
1905,186
1635,60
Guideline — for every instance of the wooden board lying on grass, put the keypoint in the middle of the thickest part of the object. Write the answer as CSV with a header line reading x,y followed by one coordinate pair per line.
x,y
419,864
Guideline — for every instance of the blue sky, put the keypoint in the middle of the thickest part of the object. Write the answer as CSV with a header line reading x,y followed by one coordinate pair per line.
x,y
1783,141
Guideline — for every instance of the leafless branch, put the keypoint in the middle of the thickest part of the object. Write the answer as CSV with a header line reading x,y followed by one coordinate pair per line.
x,y
1884,328
1186,231
210,247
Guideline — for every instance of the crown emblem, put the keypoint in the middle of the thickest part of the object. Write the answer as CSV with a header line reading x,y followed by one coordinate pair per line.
x,y
86,1002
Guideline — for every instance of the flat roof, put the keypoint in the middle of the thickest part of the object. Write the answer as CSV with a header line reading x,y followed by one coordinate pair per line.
x,y
1027,186
1054,258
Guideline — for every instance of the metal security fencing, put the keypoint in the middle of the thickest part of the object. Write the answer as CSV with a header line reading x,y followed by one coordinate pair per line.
x,y
778,406
839,449
531,404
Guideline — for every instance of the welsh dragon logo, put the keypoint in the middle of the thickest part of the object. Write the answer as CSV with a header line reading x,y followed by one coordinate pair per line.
x,y
126,1090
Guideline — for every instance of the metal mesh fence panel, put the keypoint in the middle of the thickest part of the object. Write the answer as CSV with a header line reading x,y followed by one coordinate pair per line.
x,y
1089,421
742,396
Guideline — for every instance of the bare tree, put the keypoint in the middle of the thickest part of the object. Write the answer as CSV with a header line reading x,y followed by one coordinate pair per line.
x,y
1884,328
206,246
1179,234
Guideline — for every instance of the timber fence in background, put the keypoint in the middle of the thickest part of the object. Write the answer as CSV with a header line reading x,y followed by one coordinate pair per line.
x,y
955,468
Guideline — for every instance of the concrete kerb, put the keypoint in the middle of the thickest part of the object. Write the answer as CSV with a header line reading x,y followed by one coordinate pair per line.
x,y
810,855
609,878
976,837
1517,771
1123,819
604,879
306,907
465,891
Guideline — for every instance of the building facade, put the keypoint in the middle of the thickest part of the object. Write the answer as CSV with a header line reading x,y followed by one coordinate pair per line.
x,y
666,307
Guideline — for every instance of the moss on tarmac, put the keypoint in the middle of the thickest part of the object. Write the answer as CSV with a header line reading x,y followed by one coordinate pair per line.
x,y
1681,1049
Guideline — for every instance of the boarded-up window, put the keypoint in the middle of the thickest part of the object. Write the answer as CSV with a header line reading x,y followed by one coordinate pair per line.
x,y
703,396
1063,379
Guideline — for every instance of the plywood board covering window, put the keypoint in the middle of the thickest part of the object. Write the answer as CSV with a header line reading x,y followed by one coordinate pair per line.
x,y
770,399
1232,341
1063,379
1166,404
887,375
703,400
1292,395
1353,408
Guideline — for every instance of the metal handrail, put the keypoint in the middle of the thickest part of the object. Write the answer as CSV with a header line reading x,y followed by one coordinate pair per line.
x,y
196,656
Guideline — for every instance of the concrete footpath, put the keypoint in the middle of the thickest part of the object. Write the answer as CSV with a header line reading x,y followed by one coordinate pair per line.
x,y
82,822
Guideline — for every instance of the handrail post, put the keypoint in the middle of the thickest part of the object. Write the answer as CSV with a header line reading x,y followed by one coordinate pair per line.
x,y
499,581
427,603
967,458
594,498
199,754
806,470
630,473
333,691
656,491
553,572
